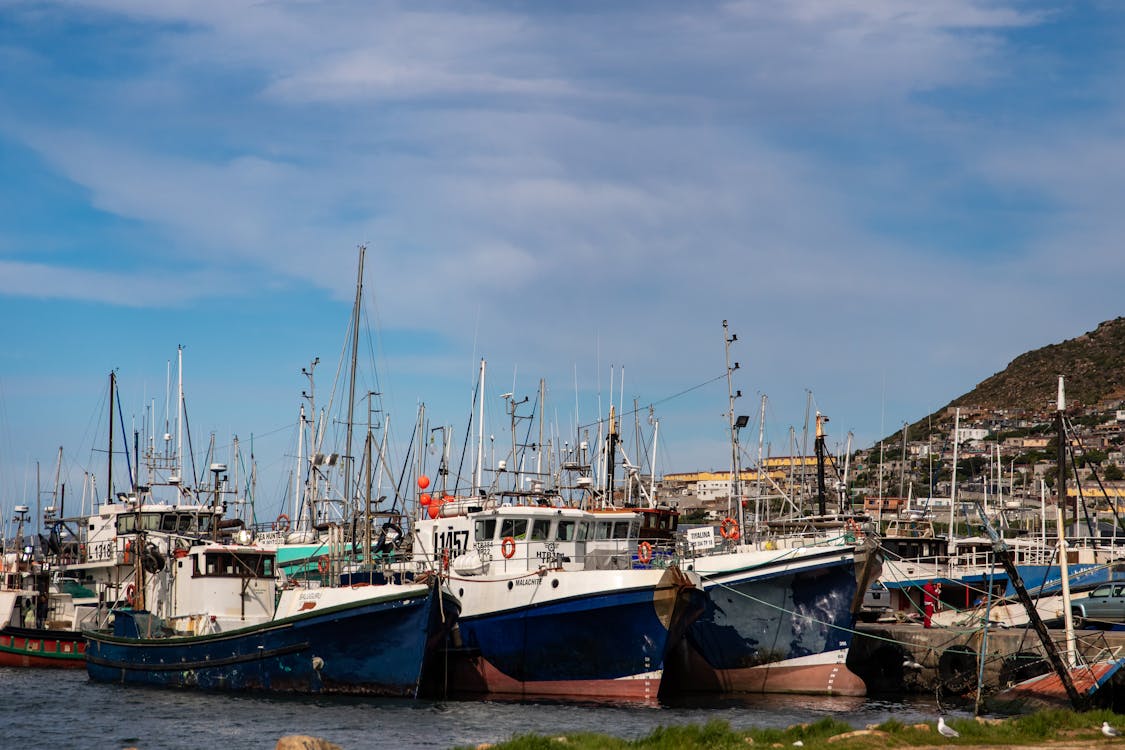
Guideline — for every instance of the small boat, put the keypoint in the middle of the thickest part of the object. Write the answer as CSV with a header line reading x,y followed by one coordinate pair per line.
x,y
1049,691
39,624
222,630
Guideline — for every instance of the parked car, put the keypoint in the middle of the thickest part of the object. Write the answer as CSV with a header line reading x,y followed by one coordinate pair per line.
x,y
876,602
1104,607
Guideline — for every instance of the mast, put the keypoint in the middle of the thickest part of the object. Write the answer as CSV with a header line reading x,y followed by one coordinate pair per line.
x,y
299,476
351,382
735,472
953,480
610,452
1061,455
109,468
478,473
179,415
818,446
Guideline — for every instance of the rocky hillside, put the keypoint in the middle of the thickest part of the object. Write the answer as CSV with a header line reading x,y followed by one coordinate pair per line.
x,y
1093,365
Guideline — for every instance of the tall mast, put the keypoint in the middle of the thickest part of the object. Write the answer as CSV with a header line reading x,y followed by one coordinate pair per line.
x,y
299,475
1060,407
478,476
109,467
735,471
953,480
180,415
351,380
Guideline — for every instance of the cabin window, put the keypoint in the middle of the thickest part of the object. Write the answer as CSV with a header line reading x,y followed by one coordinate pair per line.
x,y
185,524
485,530
540,530
168,522
583,531
602,530
621,530
227,564
514,527
566,531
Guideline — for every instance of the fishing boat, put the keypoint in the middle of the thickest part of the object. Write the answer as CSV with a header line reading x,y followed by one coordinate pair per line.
x,y
557,602
222,630
778,619
782,597
38,622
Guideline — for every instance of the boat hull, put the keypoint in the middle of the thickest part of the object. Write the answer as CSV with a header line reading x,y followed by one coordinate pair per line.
x,y
376,646
780,623
599,636
1047,690
36,647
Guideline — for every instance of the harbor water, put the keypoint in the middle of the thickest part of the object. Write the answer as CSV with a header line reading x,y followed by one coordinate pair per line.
x,y
63,709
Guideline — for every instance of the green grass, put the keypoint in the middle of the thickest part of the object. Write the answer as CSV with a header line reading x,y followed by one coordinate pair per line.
x,y
1028,731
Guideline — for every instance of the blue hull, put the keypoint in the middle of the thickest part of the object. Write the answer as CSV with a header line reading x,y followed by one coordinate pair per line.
x,y
786,631
375,648
606,646
1037,579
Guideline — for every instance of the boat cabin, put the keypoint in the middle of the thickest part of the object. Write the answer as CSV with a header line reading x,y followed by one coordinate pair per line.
x,y
507,539
218,587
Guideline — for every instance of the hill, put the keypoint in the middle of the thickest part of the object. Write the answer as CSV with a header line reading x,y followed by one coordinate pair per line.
x,y
1093,365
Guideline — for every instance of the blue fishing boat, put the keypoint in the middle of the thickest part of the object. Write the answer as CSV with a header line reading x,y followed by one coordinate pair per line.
x,y
557,602
220,630
777,620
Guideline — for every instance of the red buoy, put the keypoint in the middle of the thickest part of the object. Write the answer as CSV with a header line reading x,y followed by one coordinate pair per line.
x,y
423,482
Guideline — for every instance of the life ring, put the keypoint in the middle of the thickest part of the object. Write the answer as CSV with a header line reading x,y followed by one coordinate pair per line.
x,y
282,523
508,547
644,553
130,594
729,528
322,564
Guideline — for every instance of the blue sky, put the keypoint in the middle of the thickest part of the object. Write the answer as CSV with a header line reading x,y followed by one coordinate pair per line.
x,y
887,199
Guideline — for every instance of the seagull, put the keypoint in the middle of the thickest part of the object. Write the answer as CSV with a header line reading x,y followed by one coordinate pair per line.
x,y
945,730
1109,731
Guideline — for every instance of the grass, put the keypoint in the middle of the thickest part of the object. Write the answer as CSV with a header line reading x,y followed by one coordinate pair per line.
x,y
1031,730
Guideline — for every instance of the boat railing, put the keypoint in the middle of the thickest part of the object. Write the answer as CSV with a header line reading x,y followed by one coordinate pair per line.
x,y
511,556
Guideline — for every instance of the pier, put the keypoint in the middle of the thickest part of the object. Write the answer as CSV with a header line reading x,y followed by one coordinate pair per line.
x,y
897,658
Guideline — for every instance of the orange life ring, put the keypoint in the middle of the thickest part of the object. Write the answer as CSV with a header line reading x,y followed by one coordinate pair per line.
x,y
508,547
282,523
130,594
322,564
644,552
729,528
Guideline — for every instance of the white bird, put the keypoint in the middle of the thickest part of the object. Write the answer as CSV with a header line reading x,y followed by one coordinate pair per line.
x,y
945,730
1109,731
798,743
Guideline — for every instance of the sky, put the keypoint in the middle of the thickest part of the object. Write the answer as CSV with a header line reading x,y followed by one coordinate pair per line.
x,y
888,200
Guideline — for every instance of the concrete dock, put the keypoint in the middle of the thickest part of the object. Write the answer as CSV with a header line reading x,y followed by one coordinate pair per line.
x,y
896,658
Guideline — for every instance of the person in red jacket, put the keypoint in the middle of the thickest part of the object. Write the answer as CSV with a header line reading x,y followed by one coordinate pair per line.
x,y
931,596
